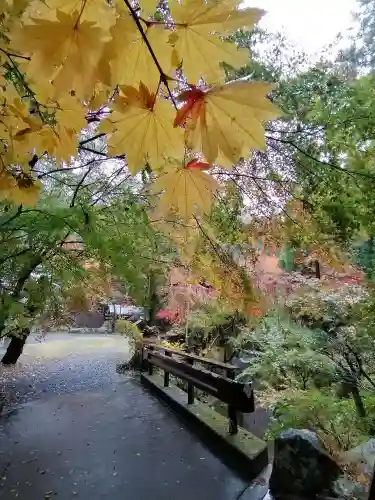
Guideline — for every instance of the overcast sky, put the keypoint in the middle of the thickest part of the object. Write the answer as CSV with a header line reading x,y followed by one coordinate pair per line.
x,y
312,24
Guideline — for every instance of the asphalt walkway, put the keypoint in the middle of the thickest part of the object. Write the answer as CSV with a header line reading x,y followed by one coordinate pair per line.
x,y
77,433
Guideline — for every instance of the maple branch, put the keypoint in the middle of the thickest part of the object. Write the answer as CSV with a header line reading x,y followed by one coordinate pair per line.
x,y
14,216
34,160
93,138
104,191
12,54
78,187
212,244
15,255
44,174
163,77
13,66
49,214
100,153
248,176
326,163
96,116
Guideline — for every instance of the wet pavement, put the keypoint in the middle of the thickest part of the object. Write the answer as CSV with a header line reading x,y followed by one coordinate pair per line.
x,y
74,428
63,363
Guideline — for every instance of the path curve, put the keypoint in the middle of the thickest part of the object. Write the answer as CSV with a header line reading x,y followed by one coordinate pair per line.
x,y
79,430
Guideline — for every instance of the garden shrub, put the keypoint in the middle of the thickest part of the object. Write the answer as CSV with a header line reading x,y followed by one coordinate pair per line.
x,y
335,421
129,330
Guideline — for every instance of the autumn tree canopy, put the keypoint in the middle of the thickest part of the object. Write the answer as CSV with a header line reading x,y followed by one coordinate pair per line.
x,y
148,76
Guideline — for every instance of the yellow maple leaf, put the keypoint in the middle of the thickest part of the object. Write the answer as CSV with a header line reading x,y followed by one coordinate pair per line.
x,y
99,97
64,49
27,191
135,64
25,140
114,57
17,127
71,114
186,189
199,24
143,129
10,13
95,11
60,142
44,91
7,182
184,236
226,121
20,189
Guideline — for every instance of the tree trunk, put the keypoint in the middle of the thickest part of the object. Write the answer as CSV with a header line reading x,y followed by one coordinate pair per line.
x,y
15,347
317,269
153,300
360,407
24,276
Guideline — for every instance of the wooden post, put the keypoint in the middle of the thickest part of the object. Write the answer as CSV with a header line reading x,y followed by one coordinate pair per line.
x,y
190,387
233,424
232,414
150,368
166,374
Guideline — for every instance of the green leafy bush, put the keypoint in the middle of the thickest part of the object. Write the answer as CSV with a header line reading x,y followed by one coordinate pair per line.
x,y
283,354
335,421
214,321
128,330
317,306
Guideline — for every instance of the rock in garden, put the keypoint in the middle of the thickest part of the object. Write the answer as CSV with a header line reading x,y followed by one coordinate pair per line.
x,y
363,456
302,468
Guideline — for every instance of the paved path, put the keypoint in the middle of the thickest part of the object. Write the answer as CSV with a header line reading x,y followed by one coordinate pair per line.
x,y
82,431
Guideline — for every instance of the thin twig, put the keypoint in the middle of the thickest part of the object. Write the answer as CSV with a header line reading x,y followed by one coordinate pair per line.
x,y
93,138
163,77
12,54
78,187
326,163
89,150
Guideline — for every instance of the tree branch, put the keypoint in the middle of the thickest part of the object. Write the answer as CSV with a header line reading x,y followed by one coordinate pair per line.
x,y
75,194
17,214
86,141
163,77
327,164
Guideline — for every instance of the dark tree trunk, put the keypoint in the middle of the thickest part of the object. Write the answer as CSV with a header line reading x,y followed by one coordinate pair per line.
x,y
15,348
360,407
153,300
24,276
317,269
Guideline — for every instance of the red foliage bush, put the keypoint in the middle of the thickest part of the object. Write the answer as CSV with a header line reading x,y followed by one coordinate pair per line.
x,y
169,316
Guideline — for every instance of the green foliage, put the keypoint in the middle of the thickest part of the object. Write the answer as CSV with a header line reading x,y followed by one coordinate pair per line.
x,y
336,421
360,54
44,251
213,321
337,118
365,313
282,354
128,330
226,216
123,238
363,255
287,260
321,307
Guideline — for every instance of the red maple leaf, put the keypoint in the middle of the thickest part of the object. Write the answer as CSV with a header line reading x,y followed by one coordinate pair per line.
x,y
197,165
193,108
